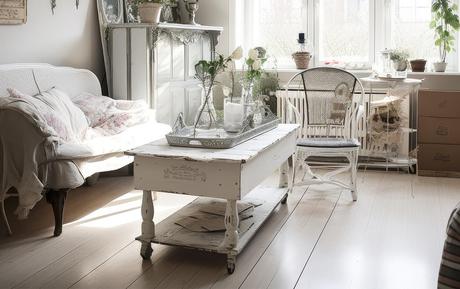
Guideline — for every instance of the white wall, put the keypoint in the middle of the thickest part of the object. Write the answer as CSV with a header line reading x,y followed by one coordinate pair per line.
x,y
216,13
70,37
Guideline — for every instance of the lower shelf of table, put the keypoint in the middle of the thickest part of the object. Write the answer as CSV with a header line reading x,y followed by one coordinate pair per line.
x,y
168,232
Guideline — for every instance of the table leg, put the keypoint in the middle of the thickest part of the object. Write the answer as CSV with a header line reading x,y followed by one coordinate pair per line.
x,y
285,178
284,175
231,225
148,226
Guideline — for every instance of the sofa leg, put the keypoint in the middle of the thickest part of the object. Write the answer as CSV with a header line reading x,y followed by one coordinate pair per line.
x,y
57,199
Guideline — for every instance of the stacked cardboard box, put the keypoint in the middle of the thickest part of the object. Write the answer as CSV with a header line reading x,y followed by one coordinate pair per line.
x,y
438,133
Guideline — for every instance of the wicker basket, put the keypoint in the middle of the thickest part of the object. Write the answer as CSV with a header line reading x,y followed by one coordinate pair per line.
x,y
302,59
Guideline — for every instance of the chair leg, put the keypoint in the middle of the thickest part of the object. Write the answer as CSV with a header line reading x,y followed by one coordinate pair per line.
x,y
354,168
57,200
5,218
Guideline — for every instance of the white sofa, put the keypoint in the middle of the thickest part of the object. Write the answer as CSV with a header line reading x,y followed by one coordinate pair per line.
x,y
46,167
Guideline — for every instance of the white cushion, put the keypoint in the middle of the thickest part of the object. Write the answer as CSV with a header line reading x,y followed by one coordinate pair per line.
x,y
130,138
323,142
58,111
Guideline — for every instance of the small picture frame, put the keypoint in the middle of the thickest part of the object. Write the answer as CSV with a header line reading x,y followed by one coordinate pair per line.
x,y
13,11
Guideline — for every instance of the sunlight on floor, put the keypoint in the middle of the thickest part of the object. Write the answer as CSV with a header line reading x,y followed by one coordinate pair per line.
x,y
126,209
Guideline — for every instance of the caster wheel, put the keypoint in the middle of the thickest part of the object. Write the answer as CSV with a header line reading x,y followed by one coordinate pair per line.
x,y
146,251
284,200
230,268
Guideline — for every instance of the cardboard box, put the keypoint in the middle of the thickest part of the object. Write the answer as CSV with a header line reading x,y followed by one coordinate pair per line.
x,y
435,130
439,157
439,103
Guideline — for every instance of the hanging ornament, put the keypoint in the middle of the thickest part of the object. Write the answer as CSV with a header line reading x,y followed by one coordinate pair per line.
x,y
53,5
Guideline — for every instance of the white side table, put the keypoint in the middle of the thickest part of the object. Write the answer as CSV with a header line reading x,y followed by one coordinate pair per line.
x,y
230,174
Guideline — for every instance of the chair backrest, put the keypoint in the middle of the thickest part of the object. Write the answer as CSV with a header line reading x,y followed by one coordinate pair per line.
x,y
325,101
71,80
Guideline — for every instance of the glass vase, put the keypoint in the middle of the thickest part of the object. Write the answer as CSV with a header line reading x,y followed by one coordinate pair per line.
x,y
206,117
247,98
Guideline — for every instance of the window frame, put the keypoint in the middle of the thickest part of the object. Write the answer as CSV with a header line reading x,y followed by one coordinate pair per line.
x,y
380,24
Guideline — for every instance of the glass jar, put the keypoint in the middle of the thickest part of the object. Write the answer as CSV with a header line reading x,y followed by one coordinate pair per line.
x,y
206,117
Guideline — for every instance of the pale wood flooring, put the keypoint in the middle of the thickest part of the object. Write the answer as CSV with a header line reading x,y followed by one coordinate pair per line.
x,y
391,238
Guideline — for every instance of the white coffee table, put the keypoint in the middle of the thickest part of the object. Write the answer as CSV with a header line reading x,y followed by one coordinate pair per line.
x,y
230,174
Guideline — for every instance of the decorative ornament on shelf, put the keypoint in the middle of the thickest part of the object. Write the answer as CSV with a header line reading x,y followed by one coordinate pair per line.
x,y
445,23
302,56
171,11
192,7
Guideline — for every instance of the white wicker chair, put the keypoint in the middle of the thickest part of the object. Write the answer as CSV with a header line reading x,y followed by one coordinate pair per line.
x,y
327,103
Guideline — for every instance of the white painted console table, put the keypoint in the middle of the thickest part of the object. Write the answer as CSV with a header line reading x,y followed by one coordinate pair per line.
x,y
230,174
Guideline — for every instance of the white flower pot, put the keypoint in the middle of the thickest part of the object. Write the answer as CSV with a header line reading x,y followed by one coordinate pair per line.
x,y
400,65
440,66
150,12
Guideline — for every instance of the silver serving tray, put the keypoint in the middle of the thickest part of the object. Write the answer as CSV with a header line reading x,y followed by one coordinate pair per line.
x,y
218,138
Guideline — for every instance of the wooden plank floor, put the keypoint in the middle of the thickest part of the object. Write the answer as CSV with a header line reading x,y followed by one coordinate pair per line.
x,y
391,238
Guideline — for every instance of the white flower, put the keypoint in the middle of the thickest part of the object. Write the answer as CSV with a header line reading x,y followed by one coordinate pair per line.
x,y
237,54
257,64
253,54
226,90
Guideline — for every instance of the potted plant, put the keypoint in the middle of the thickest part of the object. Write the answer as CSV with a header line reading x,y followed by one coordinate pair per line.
x,y
445,23
399,58
418,65
149,10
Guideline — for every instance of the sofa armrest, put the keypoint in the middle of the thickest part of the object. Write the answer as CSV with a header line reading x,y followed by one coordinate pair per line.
x,y
24,148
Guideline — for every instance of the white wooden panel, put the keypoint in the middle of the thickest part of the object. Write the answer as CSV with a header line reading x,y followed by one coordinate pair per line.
x,y
178,103
206,48
188,177
163,60
178,60
119,64
195,53
163,103
258,169
139,65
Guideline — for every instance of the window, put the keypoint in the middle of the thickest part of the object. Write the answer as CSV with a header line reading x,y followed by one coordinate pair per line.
x,y
342,30
262,26
348,33
410,29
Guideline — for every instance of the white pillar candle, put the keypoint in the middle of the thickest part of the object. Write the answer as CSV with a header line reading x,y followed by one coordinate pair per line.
x,y
233,116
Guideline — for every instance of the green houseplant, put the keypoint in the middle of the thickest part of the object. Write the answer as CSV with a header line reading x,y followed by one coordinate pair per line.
x,y
445,23
399,58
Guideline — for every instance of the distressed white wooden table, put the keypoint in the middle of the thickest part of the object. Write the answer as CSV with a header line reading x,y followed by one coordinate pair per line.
x,y
230,174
